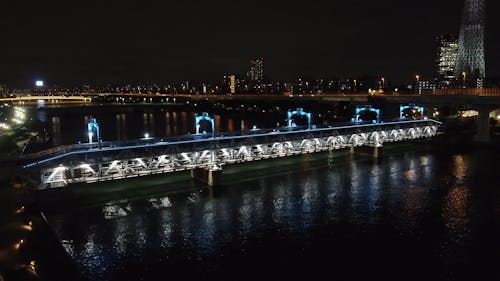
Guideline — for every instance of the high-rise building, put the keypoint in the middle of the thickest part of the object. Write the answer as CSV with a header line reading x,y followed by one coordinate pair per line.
x,y
256,72
446,59
471,62
232,84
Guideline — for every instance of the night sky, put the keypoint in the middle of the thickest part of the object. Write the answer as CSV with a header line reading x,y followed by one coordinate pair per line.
x,y
74,42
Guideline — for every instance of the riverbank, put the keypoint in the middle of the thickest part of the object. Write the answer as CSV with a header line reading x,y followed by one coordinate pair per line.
x,y
27,239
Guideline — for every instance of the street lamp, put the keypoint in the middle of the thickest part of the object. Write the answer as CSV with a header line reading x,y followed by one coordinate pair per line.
x,y
418,84
464,74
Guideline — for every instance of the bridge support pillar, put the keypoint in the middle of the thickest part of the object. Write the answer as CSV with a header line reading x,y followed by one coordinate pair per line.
x,y
368,150
207,176
483,126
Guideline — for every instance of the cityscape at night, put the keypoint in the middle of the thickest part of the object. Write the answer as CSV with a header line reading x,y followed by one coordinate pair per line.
x,y
250,140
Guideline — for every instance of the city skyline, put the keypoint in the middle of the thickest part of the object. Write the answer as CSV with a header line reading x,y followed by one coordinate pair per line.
x,y
62,46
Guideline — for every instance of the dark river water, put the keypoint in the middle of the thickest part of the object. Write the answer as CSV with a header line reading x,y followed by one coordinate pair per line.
x,y
416,215
68,125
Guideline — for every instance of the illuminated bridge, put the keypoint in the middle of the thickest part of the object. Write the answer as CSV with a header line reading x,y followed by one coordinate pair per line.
x,y
205,154
48,99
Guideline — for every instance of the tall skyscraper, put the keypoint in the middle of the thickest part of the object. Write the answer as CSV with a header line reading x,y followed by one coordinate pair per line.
x,y
446,57
256,72
471,62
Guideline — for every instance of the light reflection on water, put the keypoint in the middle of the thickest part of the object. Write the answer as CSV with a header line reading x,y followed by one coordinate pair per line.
x,y
131,123
398,203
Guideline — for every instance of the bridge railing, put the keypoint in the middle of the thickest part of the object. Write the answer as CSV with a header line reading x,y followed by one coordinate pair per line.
x,y
204,142
59,150
119,166
462,92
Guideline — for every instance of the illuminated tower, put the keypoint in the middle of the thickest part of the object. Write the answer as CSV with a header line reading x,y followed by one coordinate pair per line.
x,y
471,63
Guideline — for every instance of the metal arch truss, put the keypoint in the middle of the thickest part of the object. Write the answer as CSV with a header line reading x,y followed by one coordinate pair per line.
x,y
403,108
215,158
204,117
367,108
92,126
299,112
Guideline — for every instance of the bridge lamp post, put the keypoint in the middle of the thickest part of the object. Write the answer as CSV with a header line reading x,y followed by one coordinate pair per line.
x,y
464,74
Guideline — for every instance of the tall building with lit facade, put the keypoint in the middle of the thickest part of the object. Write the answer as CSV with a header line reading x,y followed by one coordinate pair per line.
x,y
471,61
232,84
446,59
256,72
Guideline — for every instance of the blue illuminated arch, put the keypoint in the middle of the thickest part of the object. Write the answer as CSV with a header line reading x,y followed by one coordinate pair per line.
x,y
299,112
402,108
367,108
204,116
92,126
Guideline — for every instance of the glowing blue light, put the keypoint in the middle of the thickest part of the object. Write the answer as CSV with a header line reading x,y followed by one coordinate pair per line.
x,y
39,83
367,108
411,106
204,116
299,112
91,127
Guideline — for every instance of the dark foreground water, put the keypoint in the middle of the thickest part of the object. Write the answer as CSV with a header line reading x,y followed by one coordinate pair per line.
x,y
412,216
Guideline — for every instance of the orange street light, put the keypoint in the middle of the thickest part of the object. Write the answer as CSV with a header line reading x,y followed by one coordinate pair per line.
x,y
418,82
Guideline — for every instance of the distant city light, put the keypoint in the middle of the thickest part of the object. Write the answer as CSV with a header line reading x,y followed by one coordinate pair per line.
x,y
4,126
468,113
39,83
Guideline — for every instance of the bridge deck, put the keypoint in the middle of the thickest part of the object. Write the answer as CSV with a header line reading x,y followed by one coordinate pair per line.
x,y
206,141
202,151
